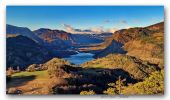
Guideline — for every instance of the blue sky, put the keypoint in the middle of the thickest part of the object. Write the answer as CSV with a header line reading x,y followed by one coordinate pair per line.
x,y
83,17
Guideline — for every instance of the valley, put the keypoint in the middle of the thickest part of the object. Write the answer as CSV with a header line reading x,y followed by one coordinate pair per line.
x,y
47,61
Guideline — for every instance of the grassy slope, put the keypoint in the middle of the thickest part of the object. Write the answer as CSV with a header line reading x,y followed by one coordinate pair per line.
x,y
30,82
37,74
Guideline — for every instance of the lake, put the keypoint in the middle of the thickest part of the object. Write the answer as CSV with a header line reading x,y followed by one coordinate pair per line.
x,y
80,58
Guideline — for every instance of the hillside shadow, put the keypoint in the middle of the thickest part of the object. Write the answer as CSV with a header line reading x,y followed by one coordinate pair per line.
x,y
96,79
17,81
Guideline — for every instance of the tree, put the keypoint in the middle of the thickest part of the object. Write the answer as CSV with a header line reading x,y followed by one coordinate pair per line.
x,y
115,88
119,84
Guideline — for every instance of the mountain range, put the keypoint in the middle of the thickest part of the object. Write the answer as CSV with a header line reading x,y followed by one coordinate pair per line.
x,y
141,42
57,42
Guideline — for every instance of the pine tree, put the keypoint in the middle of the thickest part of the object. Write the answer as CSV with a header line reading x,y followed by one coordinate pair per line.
x,y
115,88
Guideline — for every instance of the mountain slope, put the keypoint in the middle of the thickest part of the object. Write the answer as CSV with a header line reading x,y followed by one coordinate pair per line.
x,y
23,51
151,36
150,48
56,38
14,30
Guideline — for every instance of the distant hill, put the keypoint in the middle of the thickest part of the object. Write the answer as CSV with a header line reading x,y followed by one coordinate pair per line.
x,y
85,39
15,30
53,36
50,35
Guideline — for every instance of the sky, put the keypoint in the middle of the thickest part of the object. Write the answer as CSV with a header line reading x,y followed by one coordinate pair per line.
x,y
85,19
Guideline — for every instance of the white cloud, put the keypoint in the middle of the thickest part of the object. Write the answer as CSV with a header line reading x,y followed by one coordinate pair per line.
x,y
112,30
68,28
92,30
97,30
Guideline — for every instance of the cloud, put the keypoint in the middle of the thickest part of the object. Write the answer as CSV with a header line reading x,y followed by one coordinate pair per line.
x,y
92,30
68,28
112,30
97,30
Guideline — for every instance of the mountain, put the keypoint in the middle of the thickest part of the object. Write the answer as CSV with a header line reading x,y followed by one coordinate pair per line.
x,y
23,51
14,30
46,39
149,48
55,38
50,35
114,47
145,43
121,37
125,35
86,39
61,38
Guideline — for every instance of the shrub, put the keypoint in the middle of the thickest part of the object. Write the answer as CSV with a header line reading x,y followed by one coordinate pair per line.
x,y
90,92
56,71
57,67
31,68
154,84
110,91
